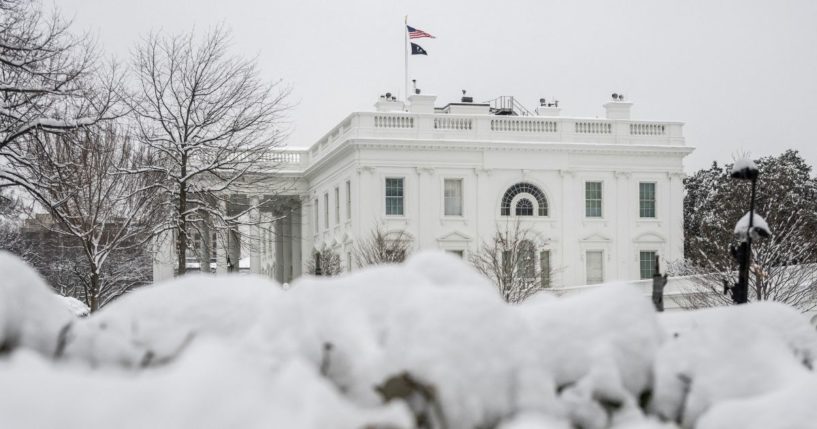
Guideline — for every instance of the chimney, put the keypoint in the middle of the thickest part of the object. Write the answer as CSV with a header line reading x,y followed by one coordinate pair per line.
x,y
618,108
419,103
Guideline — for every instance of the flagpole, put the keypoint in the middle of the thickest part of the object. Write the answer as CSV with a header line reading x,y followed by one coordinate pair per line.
x,y
405,51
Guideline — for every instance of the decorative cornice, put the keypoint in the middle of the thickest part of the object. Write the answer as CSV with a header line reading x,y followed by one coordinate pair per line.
x,y
428,170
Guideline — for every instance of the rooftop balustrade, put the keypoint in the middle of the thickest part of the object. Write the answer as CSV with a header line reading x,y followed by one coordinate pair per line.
x,y
497,128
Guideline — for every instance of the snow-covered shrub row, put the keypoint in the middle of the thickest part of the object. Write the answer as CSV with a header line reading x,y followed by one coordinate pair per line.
x,y
431,334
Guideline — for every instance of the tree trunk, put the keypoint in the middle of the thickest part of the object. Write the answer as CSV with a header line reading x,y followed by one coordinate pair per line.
x,y
181,235
94,300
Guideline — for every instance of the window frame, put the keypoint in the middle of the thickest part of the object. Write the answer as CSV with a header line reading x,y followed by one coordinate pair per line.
x,y
587,265
651,261
461,182
654,200
588,200
401,198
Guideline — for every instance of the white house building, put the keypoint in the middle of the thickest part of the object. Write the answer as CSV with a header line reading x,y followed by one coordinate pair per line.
x,y
603,196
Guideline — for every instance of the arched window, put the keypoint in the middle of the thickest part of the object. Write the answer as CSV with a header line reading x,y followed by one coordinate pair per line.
x,y
524,188
524,207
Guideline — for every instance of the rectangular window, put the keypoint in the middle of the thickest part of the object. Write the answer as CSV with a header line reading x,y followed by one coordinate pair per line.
x,y
646,199
326,210
595,266
337,206
544,266
348,200
592,199
452,195
317,213
394,196
647,264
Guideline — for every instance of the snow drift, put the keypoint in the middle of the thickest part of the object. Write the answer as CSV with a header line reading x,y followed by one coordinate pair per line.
x,y
428,342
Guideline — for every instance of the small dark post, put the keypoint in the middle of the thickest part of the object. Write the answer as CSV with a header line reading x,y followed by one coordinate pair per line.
x,y
658,283
318,264
230,266
740,293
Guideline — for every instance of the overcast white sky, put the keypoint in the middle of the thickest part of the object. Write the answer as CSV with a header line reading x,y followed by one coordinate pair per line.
x,y
741,74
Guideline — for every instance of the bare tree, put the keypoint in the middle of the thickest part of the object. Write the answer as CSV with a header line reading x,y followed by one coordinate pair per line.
x,y
383,248
781,271
213,122
509,260
50,78
785,265
330,263
98,206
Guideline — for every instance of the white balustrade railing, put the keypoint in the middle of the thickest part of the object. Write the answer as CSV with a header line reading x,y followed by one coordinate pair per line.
x,y
393,121
594,127
524,125
388,125
453,123
646,129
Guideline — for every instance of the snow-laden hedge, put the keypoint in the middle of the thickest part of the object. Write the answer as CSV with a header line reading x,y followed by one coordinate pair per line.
x,y
426,343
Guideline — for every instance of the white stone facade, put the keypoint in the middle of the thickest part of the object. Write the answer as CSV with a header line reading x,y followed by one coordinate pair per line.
x,y
635,167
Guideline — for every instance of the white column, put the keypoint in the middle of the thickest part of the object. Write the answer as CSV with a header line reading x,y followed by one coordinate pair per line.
x,y
221,243
254,240
296,228
279,250
287,253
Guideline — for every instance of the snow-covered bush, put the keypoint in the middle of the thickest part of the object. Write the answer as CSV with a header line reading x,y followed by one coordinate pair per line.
x,y
426,343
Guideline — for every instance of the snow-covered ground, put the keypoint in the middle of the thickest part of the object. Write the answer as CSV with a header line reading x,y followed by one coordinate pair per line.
x,y
430,336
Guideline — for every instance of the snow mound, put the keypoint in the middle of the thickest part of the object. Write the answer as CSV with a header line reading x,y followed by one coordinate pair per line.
x,y
153,324
209,387
722,354
426,343
75,306
31,315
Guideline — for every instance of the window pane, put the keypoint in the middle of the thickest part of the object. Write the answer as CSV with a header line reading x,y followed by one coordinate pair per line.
x,y
647,264
452,196
524,207
394,196
592,199
544,266
646,199
595,267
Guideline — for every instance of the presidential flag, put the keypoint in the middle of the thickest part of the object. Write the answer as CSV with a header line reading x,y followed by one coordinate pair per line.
x,y
417,50
417,34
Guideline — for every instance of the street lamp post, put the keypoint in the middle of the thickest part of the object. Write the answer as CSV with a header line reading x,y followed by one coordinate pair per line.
x,y
740,293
